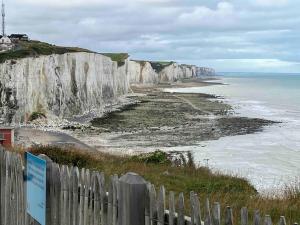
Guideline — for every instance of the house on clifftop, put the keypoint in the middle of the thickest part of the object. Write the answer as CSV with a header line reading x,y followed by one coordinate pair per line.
x,y
5,43
18,37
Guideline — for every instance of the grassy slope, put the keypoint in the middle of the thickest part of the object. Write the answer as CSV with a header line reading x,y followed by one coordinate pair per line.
x,y
228,190
117,57
158,66
37,48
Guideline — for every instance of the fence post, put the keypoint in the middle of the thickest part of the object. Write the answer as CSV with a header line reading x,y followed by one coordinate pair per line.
x,y
131,205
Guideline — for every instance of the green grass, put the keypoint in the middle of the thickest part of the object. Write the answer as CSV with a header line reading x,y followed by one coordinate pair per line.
x,y
158,66
36,48
159,169
117,57
26,49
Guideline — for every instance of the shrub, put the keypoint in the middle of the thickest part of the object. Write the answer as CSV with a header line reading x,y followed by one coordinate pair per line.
x,y
157,157
36,115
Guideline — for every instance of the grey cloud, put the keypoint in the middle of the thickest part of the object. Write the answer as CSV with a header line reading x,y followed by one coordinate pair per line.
x,y
224,34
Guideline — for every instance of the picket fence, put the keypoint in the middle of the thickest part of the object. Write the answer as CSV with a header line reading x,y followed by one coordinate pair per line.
x,y
81,197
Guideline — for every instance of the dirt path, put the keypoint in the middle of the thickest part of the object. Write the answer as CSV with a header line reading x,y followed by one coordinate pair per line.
x,y
192,105
30,136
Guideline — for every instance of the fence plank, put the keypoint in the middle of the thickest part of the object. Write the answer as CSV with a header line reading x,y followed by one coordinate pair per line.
x,y
268,220
6,191
282,221
197,209
192,207
115,199
21,192
216,214
1,181
207,218
171,208
96,191
244,216
81,196
74,195
229,216
147,204
65,195
153,205
13,191
181,219
55,194
86,188
103,201
256,219
110,202
161,205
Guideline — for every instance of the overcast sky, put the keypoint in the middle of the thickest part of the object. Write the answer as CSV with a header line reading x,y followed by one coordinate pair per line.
x,y
229,35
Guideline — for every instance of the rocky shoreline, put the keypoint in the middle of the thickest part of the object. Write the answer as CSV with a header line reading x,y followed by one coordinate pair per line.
x,y
154,119
161,119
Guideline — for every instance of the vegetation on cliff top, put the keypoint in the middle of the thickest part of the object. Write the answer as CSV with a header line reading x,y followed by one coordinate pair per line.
x,y
117,57
158,66
120,58
160,169
36,48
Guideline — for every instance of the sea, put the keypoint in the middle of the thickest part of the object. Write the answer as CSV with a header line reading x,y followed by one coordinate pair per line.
x,y
270,159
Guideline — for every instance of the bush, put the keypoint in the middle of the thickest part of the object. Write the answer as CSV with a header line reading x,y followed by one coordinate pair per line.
x,y
157,157
63,156
36,115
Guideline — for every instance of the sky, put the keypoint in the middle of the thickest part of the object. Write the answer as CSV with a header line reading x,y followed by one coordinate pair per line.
x,y
228,35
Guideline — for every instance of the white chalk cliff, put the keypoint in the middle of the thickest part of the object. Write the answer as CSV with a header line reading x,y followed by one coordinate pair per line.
x,y
73,83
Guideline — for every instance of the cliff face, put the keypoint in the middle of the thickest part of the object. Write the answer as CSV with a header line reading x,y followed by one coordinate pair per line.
x,y
143,72
204,71
75,83
64,85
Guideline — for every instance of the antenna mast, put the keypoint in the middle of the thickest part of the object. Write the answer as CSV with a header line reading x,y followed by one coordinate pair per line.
x,y
3,19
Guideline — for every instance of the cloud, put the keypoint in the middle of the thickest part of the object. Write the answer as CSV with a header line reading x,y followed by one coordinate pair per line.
x,y
227,34
271,3
222,16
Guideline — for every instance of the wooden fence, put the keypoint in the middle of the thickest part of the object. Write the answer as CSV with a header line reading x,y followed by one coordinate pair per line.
x,y
82,197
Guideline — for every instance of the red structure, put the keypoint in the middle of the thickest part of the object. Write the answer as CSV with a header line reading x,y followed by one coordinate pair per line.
x,y
7,136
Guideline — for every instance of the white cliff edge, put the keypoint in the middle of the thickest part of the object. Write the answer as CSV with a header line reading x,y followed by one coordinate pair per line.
x,y
75,83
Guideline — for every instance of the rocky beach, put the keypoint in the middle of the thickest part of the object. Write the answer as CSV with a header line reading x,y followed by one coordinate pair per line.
x,y
155,118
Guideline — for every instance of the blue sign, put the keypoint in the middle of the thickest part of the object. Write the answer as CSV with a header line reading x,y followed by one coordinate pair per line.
x,y
36,188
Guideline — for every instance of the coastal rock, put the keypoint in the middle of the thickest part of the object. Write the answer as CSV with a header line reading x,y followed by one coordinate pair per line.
x,y
62,85
205,71
141,72
76,84
144,72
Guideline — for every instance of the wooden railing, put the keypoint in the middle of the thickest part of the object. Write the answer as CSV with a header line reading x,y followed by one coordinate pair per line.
x,y
83,197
